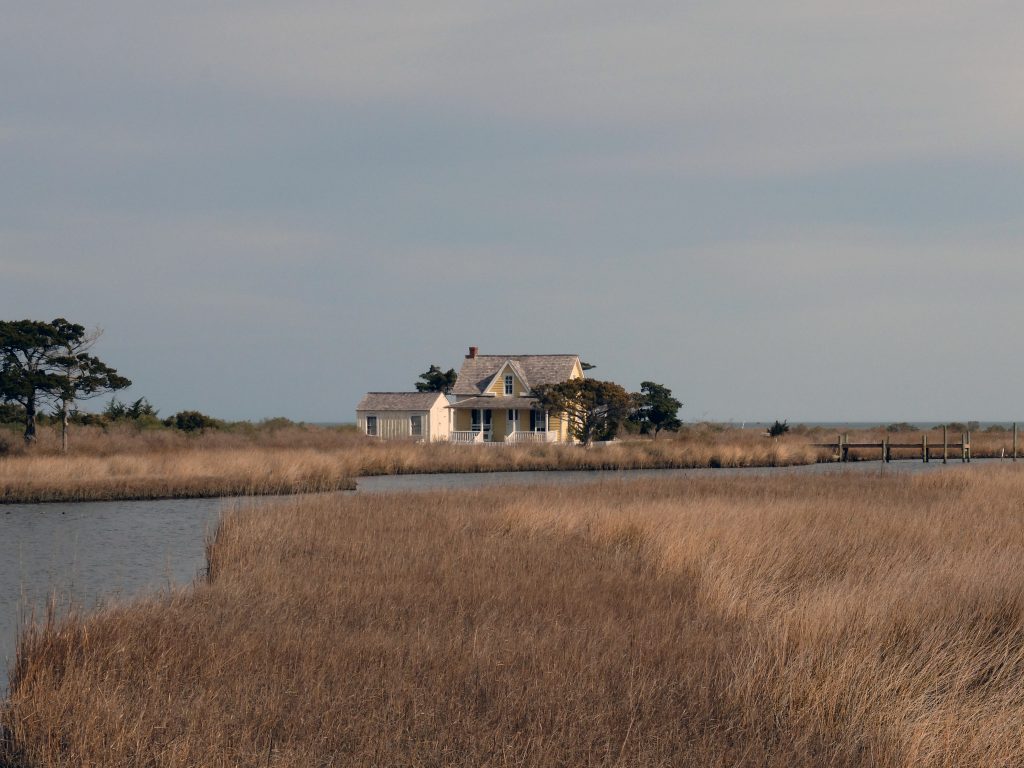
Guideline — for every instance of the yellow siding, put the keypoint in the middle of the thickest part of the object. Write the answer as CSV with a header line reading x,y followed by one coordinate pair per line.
x,y
463,421
556,424
498,386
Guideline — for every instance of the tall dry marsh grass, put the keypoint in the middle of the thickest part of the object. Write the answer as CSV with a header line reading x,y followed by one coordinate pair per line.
x,y
127,463
123,462
835,620
177,474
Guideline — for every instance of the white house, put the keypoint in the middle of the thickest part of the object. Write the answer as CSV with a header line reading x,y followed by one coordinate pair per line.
x,y
412,415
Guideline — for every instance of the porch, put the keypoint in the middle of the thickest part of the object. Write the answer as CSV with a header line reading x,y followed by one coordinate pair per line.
x,y
501,420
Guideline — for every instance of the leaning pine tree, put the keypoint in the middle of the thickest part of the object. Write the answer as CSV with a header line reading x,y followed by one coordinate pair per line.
x,y
594,408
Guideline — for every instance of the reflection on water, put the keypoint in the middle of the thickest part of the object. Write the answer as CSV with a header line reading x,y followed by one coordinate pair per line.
x,y
88,551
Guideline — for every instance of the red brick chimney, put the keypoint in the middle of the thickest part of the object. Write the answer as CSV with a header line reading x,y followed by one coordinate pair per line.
x,y
472,353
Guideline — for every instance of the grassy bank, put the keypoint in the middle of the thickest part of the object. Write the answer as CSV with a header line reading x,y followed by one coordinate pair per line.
x,y
784,621
172,474
125,463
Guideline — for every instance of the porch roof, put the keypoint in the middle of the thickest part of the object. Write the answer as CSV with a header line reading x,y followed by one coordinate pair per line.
x,y
496,403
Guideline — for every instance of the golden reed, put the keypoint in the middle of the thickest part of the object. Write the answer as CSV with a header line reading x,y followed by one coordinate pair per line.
x,y
834,620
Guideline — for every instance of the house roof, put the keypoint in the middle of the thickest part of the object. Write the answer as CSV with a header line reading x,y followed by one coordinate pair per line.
x,y
534,370
496,402
399,401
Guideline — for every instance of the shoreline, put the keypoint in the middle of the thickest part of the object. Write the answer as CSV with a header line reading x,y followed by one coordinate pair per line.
x,y
84,496
227,491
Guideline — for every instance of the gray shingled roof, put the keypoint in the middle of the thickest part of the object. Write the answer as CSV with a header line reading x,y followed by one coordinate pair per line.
x,y
398,401
478,371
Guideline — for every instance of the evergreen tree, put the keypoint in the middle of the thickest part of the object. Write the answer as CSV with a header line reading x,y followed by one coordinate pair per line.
x,y
656,409
50,362
595,408
436,380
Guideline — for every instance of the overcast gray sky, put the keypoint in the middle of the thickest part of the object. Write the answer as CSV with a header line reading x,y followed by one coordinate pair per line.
x,y
795,210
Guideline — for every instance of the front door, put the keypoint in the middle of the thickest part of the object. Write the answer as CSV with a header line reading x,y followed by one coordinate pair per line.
x,y
512,422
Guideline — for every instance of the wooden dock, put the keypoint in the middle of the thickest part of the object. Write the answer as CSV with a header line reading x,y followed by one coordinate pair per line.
x,y
962,449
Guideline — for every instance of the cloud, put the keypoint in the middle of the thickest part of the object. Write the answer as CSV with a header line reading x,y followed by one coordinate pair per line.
x,y
365,188
734,86
743,86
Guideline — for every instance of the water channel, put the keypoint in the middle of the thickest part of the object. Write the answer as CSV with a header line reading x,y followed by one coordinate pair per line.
x,y
84,553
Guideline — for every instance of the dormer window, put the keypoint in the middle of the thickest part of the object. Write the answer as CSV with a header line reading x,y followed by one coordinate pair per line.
x,y
508,384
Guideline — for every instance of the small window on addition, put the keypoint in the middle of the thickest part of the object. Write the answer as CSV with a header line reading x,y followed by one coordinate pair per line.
x,y
508,384
416,425
371,426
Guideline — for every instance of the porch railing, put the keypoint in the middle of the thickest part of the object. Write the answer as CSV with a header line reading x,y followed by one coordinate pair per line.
x,y
470,436
532,437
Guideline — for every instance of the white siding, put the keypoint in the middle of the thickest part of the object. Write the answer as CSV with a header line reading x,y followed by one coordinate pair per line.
x,y
440,421
396,425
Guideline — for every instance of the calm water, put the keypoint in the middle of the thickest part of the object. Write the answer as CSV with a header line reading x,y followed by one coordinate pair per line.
x,y
90,552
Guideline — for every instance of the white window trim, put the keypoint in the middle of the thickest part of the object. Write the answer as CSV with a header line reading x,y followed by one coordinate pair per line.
x,y
510,384
376,425
413,432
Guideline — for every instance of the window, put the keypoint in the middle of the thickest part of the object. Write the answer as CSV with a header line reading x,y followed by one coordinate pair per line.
x,y
508,384
416,425
513,415
538,421
371,426
481,420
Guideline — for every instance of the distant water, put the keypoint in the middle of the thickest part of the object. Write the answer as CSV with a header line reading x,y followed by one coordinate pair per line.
x,y
851,425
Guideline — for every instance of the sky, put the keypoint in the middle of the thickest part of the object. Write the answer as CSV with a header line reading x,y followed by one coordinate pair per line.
x,y
793,210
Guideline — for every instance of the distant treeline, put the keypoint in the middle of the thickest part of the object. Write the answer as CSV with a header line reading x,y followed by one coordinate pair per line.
x,y
141,414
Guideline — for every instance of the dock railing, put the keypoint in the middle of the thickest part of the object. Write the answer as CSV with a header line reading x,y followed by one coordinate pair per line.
x,y
842,447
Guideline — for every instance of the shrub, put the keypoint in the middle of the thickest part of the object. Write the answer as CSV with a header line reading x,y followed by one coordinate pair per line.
x,y
778,428
192,421
277,422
